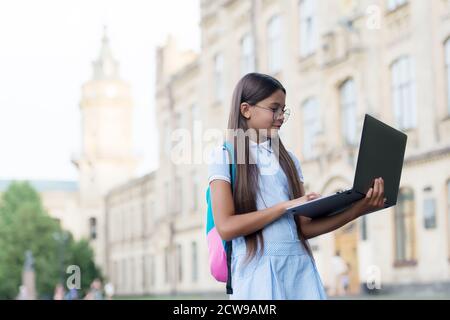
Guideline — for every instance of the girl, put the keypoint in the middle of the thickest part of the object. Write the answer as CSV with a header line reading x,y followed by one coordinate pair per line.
x,y
271,258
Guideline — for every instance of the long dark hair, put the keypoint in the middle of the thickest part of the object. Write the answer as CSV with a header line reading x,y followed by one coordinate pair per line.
x,y
253,88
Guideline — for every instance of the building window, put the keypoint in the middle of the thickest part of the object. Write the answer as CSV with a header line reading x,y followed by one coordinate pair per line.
x,y
429,210
218,77
149,216
153,213
112,233
123,278
448,215
308,27
177,120
194,262
195,186
166,265
447,71
123,224
275,48
195,114
92,228
311,126
195,119
152,270
133,273
132,223
247,54
145,273
347,95
126,228
403,93
167,138
167,196
140,226
180,263
405,227
394,4
116,274
178,204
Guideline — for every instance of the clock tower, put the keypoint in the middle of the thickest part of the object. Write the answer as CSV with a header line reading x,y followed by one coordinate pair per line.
x,y
106,158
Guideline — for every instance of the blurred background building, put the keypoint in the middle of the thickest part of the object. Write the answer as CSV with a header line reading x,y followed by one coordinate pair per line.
x,y
338,61
105,160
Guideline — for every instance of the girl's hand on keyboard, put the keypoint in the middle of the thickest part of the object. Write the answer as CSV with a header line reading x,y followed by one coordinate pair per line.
x,y
298,201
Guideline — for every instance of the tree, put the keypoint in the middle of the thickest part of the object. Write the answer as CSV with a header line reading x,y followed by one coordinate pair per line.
x,y
82,255
25,225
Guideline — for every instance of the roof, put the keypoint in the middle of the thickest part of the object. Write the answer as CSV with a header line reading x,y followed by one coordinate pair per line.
x,y
44,185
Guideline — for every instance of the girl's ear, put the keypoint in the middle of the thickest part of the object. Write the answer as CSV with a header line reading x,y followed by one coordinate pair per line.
x,y
245,110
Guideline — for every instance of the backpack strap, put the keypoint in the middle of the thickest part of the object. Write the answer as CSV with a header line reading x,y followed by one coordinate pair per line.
x,y
228,245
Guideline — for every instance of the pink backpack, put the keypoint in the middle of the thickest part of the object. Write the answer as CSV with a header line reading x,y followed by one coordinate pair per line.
x,y
219,250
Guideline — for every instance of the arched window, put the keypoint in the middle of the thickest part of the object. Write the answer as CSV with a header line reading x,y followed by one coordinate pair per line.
x,y
347,98
403,92
194,261
405,242
448,214
447,72
308,27
179,264
275,44
92,228
219,77
247,54
311,126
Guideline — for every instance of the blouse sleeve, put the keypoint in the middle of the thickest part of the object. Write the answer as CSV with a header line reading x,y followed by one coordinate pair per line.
x,y
219,165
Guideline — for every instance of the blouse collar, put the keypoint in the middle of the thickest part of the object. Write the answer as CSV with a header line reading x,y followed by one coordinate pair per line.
x,y
266,145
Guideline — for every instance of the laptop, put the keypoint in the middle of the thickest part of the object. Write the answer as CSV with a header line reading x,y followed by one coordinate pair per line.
x,y
381,154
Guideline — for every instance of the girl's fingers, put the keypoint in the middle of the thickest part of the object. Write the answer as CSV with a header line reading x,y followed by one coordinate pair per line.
x,y
376,189
379,198
373,194
381,190
369,193
313,195
379,201
310,196
376,193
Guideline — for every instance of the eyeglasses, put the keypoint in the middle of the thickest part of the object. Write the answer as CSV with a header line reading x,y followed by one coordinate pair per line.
x,y
277,112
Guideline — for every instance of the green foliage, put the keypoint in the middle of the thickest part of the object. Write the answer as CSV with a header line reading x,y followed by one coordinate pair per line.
x,y
25,225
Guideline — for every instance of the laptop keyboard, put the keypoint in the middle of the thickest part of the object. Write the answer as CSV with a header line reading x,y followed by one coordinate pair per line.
x,y
343,190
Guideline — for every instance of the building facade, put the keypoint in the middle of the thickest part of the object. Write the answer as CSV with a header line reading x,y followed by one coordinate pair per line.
x,y
156,236
338,61
106,158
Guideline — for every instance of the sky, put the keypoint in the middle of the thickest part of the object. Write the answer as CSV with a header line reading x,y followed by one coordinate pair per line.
x,y
46,53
